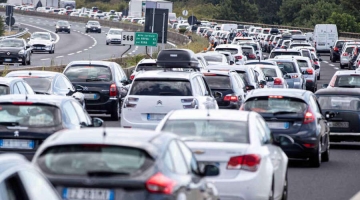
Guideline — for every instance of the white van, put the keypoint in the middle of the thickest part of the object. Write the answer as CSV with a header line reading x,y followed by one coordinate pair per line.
x,y
324,36
228,27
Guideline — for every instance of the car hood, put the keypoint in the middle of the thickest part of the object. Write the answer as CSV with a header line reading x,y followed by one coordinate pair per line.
x,y
40,42
10,49
114,36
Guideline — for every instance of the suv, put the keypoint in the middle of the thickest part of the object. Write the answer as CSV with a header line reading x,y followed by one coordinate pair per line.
x,y
153,94
336,50
93,26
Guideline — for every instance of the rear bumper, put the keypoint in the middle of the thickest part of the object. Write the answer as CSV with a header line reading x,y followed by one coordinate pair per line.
x,y
235,106
298,150
344,136
101,108
336,55
93,29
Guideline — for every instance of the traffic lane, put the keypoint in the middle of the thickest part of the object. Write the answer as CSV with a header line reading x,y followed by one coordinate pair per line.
x,y
327,70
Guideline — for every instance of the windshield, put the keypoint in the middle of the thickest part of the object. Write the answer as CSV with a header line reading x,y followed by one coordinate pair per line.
x,y
88,73
39,84
339,102
93,23
300,45
269,72
349,49
347,81
115,32
247,50
209,130
218,82
40,36
286,53
274,104
214,58
230,50
159,87
288,67
30,115
63,23
11,43
250,44
147,67
87,159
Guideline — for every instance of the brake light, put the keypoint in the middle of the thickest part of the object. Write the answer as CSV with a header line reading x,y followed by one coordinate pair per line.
x,y
278,81
22,103
209,74
309,117
130,102
231,98
276,97
238,57
308,145
294,76
336,49
160,184
248,162
345,54
113,90
252,56
132,77
309,71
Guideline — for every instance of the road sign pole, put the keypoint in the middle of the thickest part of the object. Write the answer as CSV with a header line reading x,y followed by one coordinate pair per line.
x,y
10,24
152,29
192,19
163,33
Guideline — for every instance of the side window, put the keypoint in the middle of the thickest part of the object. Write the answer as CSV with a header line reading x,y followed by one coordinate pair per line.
x,y
202,85
267,131
314,104
12,189
239,80
28,88
180,167
207,88
169,161
197,87
21,88
256,76
81,113
60,83
189,158
68,84
120,73
261,132
16,89
71,113
36,185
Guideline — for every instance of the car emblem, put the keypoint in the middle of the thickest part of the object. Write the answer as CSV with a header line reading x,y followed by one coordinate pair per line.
x,y
159,102
8,53
16,134
85,88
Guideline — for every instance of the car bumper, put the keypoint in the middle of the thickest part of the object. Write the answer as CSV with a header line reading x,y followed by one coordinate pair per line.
x,y
125,123
62,29
344,136
101,108
40,49
28,154
344,61
298,150
93,29
231,106
12,59
114,41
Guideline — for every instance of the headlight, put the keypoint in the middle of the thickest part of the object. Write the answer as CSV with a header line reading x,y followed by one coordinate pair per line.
x,y
22,51
57,27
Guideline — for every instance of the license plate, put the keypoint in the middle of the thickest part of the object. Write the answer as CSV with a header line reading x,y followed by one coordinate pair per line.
x,y
321,44
88,193
40,48
339,124
155,117
90,96
17,144
7,60
278,125
94,28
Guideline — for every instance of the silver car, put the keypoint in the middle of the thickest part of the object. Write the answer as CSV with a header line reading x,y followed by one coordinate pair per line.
x,y
274,77
42,42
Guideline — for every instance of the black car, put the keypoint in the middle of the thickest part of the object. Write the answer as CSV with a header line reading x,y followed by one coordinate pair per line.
x,y
14,86
93,26
15,51
342,111
297,114
62,26
102,83
228,88
123,164
336,50
27,120
50,83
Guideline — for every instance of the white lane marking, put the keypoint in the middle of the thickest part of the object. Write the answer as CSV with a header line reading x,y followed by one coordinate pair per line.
x,y
172,44
70,54
325,61
356,196
90,47
56,35
336,68
79,52
331,65
86,49
59,56
130,53
46,59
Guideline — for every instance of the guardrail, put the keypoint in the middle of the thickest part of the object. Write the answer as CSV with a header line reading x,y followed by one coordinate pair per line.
x,y
341,34
19,34
172,36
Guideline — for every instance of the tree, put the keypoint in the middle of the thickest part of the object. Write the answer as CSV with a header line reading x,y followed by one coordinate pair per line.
x,y
351,7
268,11
238,10
344,22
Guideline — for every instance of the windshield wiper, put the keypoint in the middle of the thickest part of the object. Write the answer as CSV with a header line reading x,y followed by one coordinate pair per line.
x,y
95,79
9,123
284,112
347,86
105,173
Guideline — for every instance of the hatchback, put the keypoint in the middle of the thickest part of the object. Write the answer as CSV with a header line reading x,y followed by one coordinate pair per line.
x,y
14,86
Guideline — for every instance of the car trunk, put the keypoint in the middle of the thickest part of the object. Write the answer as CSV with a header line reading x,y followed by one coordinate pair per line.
x,y
284,123
344,121
220,100
95,92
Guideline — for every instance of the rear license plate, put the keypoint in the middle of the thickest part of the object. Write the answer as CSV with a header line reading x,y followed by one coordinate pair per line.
x,y
94,28
339,124
16,144
7,60
155,117
90,96
278,125
320,44
88,193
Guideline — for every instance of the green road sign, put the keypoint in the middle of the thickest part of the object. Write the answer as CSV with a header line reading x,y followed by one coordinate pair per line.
x,y
146,39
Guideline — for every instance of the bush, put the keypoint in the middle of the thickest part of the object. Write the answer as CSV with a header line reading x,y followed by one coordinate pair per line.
x,y
182,30
197,44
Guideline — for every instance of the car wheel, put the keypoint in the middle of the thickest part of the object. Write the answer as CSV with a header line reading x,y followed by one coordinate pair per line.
x,y
326,155
100,31
24,62
318,77
315,160
107,43
86,31
115,114
341,66
56,32
69,32
29,61
332,59
285,188
1,63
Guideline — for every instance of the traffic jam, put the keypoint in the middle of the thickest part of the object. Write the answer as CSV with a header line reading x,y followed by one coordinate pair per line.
x,y
220,124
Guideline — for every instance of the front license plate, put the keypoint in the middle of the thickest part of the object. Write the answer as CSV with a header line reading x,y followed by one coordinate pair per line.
x,y
278,125
90,96
155,117
16,144
7,60
40,48
339,124
94,28
87,193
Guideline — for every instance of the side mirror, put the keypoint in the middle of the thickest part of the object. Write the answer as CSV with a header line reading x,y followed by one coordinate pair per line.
x,y
324,85
128,81
250,87
79,88
329,115
211,170
287,76
97,122
317,67
217,94
232,62
262,82
282,140
27,46
320,59
303,72
269,78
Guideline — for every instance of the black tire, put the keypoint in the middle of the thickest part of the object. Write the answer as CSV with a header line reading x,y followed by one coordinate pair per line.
x,y
285,188
56,32
107,43
86,31
1,63
115,114
100,31
315,160
342,66
332,59
271,195
318,77
24,62
69,32
325,156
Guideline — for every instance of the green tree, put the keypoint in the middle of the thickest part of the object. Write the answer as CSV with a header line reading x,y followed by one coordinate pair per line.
x,y
344,22
268,11
351,7
238,10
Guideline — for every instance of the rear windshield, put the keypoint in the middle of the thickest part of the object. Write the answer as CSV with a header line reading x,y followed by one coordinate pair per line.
x,y
300,45
85,73
158,87
4,90
93,159
340,44
266,31
302,63
269,72
244,77
350,81
39,84
247,50
214,58
218,82
209,130
30,115
288,67
339,102
232,51
147,67
306,54
286,53
273,104
349,49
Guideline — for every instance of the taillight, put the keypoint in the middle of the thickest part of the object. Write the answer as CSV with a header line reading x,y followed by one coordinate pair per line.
x,y
278,81
160,184
113,90
238,57
309,145
345,54
283,47
248,162
309,117
190,103
336,49
294,76
22,103
132,77
309,71
231,98
252,56
130,102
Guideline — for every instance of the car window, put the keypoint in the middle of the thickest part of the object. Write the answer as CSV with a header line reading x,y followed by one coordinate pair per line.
x,y
180,167
36,185
314,104
266,132
239,81
273,104
4,90
168,160
81,113
244,76
230,50
71,113
29,90
349,81
189,157
269,72
82,73
16,89
39,84
303,63
12,188
60,83
21,88
121,72
287,67
68,84
218,81
196,86
202,85
161,87
287,53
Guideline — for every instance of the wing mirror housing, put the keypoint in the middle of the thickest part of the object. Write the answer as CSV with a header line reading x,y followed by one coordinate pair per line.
x,y
250,87
282,140
97,122
79,88
317,67
269,78
232,62
210,170
27,46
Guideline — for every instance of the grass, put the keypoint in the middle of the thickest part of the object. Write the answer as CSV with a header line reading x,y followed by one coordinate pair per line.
x,y
7,33
197,44
27,35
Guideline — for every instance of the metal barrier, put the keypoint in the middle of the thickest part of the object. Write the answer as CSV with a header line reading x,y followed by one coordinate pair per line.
x,y
19,34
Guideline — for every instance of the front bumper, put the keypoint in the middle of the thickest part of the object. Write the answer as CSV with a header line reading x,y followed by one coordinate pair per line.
x,y
41,48
62,30
114,41
12,58
93,29
101,108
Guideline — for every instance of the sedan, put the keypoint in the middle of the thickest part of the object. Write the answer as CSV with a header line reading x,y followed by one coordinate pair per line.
x,y
93,26
14,86
42,42
15,51
274,77
297,114
123,164
62,26
214,58
252,164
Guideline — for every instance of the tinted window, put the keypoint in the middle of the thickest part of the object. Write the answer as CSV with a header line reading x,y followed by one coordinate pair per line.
x,y
288,67
273,104
214,58
230,50
39,84
37,186
176,154
12,189
147,67
4,89
11,43
88,73
340,44
158,87
347,81
218,82
349,49
337,102
189,157
278,53
302,63
269,72
254,45
84,159
247,50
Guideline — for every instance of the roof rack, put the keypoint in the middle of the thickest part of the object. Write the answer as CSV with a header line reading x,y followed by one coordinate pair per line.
x,y
177,58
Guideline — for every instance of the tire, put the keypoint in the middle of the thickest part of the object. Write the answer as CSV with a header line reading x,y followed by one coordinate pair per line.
x,y
86,31
284,195
318,77
1,63
100,31
342,66
332,59
69,32
29,61
24,62
56,32
107,43
115,114
315,160
325,157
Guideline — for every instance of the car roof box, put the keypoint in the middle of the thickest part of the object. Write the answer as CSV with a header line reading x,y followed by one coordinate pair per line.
x,y
177,58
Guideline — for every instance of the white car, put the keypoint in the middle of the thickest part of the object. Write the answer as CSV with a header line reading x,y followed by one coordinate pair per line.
x,y
243,39
144,65
155,93
214,58
252,165
42,42
235,50
114,36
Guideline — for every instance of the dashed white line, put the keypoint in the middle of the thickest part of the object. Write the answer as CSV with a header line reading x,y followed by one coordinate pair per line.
x,y
70,54
79,52
86,49
336,68
325,61
59,56
45,59
331,65
90,47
